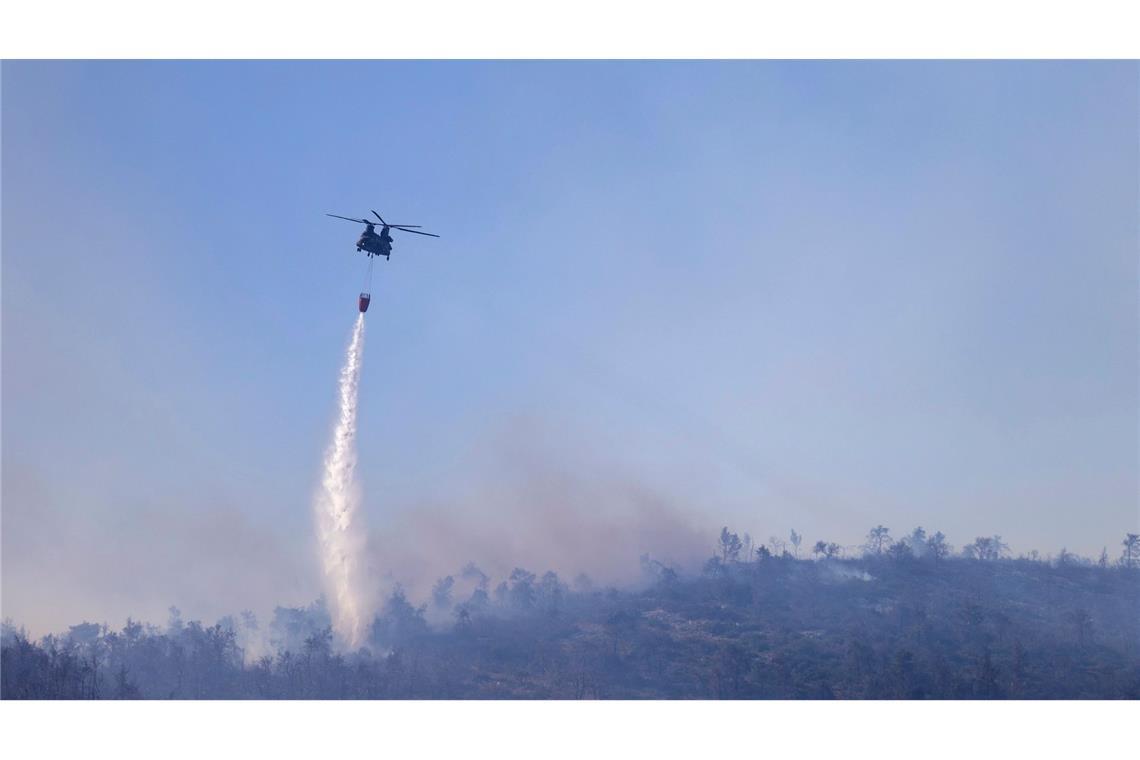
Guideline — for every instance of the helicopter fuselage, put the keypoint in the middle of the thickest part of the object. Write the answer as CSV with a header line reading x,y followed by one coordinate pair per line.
x,y
380,244
373,244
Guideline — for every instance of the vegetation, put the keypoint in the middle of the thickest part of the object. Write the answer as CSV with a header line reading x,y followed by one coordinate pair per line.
x,y
905,620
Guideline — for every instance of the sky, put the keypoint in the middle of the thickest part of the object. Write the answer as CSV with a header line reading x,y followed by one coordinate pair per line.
x,y
667,297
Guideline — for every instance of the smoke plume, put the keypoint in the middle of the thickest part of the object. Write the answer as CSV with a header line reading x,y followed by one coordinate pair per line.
x,y
342,534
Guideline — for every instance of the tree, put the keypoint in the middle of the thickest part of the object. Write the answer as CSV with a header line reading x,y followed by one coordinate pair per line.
x,y
986,548
441,592
938,547
398,624
878,539
522,588
290,626
174,624
1102,563
917,541
826,550
462,618
713,567
779,546
762,553
550,593
977,549
478,601
900,551
729,546
124,689
1131,553
319,644
84,634
1001,548
796,540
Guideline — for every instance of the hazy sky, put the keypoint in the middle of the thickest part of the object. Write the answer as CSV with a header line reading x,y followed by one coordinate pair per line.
x,y
668,297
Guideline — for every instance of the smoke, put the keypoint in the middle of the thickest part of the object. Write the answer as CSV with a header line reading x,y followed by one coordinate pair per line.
x,y
339,526
540,503
843,572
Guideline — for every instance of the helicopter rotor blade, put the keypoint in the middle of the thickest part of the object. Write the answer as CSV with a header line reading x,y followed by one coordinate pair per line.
x,y
350,219
405,225
380,218
403,229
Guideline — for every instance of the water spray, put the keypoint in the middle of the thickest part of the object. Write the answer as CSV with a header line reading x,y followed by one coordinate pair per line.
x,y
339,524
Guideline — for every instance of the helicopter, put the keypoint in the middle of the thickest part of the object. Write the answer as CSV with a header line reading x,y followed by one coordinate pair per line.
x,y
379,245
376,245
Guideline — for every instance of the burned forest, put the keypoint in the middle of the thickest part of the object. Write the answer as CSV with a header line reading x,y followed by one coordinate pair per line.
x,y
900,619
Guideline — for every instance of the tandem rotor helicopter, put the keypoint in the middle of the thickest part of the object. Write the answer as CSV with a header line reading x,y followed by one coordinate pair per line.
x,y
377,245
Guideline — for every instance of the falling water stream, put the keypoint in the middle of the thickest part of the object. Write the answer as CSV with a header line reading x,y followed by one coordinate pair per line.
x,y
339,525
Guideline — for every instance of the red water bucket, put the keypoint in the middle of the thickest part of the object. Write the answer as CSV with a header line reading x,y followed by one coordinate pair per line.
x,y
364,299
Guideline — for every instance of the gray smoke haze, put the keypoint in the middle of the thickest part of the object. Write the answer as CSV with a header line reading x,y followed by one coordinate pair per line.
x,y
543,518
527,501
535,499
154,550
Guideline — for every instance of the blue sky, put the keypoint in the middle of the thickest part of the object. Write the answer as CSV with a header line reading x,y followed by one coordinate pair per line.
x,y
774,295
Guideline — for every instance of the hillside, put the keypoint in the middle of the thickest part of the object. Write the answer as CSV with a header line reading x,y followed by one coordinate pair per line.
x,y
880,627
